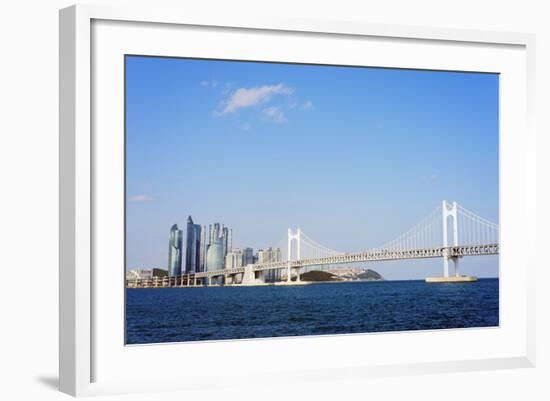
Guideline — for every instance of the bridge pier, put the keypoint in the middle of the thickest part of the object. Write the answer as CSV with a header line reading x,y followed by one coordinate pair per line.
x,y
446,259
449,211
455,262
260,277
288,273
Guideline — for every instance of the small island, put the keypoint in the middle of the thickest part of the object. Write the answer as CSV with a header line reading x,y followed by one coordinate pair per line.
x,y
317,276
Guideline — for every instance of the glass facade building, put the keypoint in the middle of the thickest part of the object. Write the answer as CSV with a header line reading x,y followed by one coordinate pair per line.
x,y
248,257
175,251
205,250
193,247
219,244
215,257
202,264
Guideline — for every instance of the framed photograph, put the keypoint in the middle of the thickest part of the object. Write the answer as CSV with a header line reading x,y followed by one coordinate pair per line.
x,y
290,200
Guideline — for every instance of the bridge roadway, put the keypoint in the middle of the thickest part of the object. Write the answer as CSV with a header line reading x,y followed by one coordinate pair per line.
x,y
377,255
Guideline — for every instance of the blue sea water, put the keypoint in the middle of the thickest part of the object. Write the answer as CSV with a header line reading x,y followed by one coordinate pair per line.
x,y
159,315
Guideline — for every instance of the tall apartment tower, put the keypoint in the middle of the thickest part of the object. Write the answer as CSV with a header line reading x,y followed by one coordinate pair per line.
x,y
193,247
219,245
202,264
267,256
175,250
248,257
225,240
234,259
215,258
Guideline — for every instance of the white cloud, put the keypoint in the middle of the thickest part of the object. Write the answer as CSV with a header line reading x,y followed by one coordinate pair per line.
x,y
250,97
209,84
308,105
140,198
274,114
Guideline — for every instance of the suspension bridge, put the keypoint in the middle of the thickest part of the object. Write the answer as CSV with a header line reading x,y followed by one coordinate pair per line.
x,y
450,232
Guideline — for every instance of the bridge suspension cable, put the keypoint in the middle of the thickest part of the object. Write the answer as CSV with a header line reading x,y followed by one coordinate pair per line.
x,y
316,249
425,234
447,225
475,230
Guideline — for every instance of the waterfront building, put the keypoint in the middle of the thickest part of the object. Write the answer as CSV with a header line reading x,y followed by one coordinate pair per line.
x,y
136,274
214,255
193,247
225,242
270,255
175,248
214,232
234,259
203,244
219,244
248,256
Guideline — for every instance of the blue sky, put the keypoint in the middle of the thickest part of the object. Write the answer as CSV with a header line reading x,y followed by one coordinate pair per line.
x,y
352,156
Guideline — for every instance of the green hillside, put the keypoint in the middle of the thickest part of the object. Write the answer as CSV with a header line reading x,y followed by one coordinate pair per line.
x,y
160,273
317,275
370,275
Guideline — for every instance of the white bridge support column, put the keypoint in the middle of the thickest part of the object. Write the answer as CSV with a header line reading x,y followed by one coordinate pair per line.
x,y
248,275
261,276
449,210
292,236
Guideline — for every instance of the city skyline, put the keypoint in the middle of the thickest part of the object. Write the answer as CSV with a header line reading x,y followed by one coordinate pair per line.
x,y
214,254
271,141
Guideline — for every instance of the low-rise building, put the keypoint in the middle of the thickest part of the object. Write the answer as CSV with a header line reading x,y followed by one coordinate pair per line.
x,y
136,274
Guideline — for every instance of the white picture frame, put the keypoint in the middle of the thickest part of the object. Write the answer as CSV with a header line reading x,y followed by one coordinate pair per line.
x,y
82,324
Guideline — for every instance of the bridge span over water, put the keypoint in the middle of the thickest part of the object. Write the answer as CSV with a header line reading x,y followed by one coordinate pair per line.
x,y
449,232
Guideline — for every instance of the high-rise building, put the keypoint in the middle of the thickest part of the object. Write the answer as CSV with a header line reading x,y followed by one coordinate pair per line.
x,y
248,256
225,236
214,232
175,248
193,247
219,245
202,264
234,259
214,255
269,255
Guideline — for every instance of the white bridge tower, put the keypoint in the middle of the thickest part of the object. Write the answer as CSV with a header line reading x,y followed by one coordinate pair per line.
x,y
292,237
449,210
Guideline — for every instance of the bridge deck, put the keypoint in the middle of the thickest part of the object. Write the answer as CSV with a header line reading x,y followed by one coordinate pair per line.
x,y
346,258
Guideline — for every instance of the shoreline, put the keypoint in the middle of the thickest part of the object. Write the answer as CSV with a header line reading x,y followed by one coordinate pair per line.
x,y
278,284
